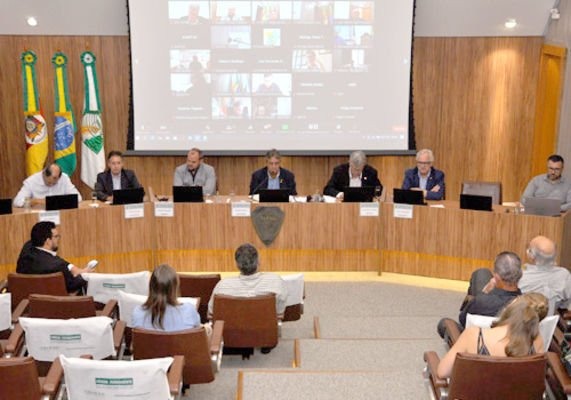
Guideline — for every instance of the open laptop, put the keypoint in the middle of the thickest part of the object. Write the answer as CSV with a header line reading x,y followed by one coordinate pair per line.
x,y
547,207
5,206
274,195
475,202
61,202
363,194
187,194
403,196
128,196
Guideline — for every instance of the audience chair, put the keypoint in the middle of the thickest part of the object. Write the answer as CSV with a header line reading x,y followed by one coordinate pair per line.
x,y
22,285
6,320
199,286
492,189
488,378
19,380
105,287
248,321
202,355
66,307
558,379
295,297
142,380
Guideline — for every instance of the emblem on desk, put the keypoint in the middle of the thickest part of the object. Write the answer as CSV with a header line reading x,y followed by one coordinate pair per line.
x,y
268,221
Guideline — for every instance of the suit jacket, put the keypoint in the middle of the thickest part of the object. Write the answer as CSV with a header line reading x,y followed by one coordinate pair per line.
x,y
260,181
35,261
340,179
411,180
104,184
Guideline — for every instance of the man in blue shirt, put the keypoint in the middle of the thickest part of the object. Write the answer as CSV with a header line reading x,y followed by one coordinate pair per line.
x,y
272,176
425,177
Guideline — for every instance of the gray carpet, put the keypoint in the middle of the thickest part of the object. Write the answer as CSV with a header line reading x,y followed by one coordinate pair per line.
x,y
400,320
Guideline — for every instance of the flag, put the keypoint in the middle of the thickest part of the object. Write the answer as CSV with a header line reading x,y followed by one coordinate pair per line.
x,y
64,134
36,134
92,152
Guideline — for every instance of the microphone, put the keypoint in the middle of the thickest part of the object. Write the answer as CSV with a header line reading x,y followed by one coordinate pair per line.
x,y
262,183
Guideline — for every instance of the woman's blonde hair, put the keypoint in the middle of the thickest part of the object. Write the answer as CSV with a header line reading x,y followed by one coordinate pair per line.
x,y
522,317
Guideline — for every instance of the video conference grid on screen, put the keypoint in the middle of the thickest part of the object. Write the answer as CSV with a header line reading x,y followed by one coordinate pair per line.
x,y
251,75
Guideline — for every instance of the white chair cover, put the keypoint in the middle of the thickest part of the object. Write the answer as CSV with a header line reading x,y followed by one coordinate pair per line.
x,y
106,380
5,311
46,339
128,302
104,287
481,321
294,284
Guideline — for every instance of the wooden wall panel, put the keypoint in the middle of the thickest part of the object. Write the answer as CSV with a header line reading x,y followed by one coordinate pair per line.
x,y
474,106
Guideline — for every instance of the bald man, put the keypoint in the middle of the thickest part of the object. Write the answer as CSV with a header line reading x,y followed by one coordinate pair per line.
x,y
196,173
541,275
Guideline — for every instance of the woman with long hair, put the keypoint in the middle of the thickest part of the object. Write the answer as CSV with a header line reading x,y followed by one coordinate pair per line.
x,y
162,310
514,334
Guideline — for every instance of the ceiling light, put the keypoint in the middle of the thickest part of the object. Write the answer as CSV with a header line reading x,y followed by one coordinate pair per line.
x,y
510,23
32,21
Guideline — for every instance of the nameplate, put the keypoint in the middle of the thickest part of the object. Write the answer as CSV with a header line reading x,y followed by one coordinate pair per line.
x,y
51,216
403,211
134,210
164,209
369,209
240,209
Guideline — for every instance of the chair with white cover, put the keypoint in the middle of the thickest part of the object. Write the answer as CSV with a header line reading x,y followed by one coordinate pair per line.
x,y
144,380
5,314
104,287
295,286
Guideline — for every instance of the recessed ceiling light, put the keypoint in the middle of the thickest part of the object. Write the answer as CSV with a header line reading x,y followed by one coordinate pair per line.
x,y
510,23
32,21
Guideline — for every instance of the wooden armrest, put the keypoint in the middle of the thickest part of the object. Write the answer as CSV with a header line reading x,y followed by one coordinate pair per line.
x,y
432,360
4,286
451,328
175,374
20,310
559,371
216,337
108,309
53,378
118,334
15,340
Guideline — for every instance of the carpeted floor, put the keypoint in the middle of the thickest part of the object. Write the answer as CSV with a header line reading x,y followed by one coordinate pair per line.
x,y
396,322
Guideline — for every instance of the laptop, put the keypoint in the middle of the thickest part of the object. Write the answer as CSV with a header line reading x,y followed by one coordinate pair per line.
x,y
5,206
128,196
363,194
475,202
274,195
61,202
187,194
403,196
547,207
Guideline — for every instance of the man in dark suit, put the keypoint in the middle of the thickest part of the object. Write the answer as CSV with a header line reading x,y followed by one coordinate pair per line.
x,y
425,177
355,173
115,177
39,256
272,176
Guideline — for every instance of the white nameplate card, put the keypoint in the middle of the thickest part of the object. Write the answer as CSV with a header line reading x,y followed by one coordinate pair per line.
x,y
369,209
51,216
134,210
164,209
403,211
240,209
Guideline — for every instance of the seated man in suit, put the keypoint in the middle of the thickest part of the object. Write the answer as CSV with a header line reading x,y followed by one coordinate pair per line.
x,y
115,177
39,256
355,173
425,177
49,182
551,185
272,176
196,173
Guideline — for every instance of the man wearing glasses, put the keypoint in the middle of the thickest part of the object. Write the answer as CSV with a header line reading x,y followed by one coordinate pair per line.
x,y
551,185
425,177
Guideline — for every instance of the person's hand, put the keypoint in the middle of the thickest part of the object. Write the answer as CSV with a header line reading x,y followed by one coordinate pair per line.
x,y
491,285
435,188
340,196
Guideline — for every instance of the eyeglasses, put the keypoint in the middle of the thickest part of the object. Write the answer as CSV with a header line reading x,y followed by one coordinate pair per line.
x,y
554,169
424,162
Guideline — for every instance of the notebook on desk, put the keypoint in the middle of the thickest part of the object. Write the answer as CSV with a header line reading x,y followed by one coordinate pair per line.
x,y
128,196
403,196
187,194
274,195
61,202
362,194
5,206
546,207
475,202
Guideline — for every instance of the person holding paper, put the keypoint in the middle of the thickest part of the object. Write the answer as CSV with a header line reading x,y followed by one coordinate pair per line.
x,y
39,256
273,176
425,177
196,173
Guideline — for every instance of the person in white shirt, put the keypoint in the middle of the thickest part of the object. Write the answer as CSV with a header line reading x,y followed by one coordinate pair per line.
x,y
49,182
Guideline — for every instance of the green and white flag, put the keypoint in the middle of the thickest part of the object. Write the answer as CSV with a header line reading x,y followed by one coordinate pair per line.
x,y
92,152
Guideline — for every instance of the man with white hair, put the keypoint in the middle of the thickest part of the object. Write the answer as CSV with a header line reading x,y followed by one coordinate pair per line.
x,y
355,173
541,275
425,177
